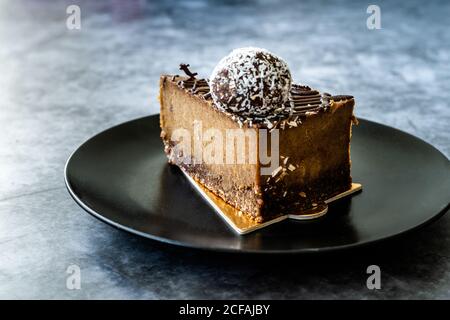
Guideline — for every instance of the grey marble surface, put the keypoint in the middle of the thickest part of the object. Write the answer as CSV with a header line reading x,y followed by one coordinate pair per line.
x,y
58,87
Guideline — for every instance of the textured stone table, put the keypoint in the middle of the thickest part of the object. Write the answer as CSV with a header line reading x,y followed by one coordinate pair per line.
x,y
58,87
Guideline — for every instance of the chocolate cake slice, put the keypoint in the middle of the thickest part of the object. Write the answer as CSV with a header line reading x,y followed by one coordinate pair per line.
x,y
288,155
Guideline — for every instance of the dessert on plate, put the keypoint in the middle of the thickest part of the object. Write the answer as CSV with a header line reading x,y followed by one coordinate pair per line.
x,y
263,144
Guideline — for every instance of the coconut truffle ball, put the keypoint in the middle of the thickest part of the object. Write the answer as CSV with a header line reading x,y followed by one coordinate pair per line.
x,y
251,82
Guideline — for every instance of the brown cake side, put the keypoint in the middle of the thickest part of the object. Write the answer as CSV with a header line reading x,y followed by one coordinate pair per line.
x,y
314,162
237,184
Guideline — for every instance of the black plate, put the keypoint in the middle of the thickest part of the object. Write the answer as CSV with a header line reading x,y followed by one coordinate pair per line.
x,y
121,176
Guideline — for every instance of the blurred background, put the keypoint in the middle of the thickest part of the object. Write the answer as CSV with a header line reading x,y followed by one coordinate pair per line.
x,y
60,86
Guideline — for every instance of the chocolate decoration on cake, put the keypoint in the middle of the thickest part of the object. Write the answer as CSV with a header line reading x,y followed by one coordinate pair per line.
x,y
305,100
193,85
252,83
185,68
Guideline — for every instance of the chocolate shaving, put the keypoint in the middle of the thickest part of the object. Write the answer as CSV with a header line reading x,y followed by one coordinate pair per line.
x,y
185,68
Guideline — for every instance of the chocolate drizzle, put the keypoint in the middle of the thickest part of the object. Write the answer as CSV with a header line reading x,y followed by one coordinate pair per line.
x,y
304,101
194,86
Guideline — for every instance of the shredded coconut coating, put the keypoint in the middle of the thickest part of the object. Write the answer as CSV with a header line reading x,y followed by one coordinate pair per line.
x,y
252,83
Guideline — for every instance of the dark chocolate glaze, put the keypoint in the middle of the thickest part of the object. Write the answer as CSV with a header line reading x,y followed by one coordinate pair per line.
x,y
341,97
304,100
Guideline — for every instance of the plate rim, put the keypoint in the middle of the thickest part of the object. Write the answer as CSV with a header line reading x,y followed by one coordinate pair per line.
x,y
182,244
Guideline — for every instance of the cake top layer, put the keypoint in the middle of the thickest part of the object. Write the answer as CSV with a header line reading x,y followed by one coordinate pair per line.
x,y
254,86
304,102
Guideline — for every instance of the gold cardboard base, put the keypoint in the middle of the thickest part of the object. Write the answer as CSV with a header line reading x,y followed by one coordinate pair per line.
x,y
241,224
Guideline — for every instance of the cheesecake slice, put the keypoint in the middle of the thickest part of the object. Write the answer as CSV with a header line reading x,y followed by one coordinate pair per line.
x,y
264,145
313,157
